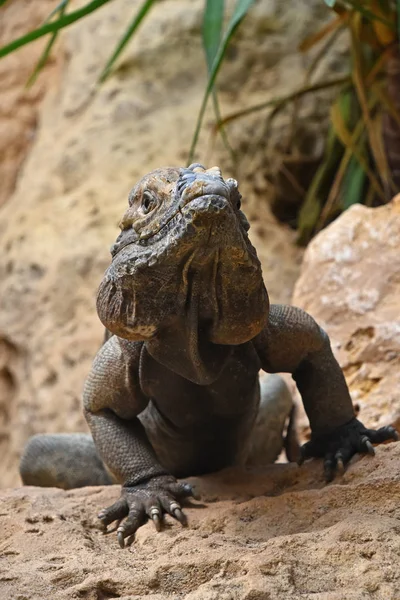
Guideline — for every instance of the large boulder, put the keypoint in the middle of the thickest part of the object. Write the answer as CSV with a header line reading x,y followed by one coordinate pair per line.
x,y
350,283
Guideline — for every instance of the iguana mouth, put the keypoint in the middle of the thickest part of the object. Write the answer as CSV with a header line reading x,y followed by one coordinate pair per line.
x,y
196,182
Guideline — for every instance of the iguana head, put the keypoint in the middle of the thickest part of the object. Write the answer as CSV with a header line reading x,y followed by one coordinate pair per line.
x,y
184,256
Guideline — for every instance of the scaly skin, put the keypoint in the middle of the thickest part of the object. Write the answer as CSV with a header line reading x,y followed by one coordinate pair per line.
x,y
174,391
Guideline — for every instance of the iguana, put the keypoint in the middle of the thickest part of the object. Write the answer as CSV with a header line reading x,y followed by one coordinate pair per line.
x,y
174,391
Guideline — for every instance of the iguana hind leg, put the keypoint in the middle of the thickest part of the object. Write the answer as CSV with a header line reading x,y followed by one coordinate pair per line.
x,y
63,460
275,411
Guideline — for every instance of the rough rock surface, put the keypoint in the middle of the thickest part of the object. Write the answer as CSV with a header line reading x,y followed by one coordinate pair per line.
x,y
91,144
350,282
18,105
269,535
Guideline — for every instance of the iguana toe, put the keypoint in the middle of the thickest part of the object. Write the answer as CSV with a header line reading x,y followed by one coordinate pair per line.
x,y
115,512
340,445
147,501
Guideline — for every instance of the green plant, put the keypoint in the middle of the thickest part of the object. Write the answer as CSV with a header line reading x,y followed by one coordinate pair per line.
x,y
361,162
364,118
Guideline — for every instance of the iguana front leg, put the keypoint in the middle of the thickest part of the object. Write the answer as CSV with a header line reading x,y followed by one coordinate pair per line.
x,y
293,342
112,401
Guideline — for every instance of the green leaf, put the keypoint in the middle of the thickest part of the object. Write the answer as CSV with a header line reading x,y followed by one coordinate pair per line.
x,y
138,18
212,28
338,120
43,59
212,32
353,185
52,27
241,9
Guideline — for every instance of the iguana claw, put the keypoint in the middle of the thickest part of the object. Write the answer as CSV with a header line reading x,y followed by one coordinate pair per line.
x,y
150,500
340,445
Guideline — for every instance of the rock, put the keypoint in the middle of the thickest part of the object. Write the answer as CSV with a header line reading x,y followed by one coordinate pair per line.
x,y
350,283
269,534
91,144
18,104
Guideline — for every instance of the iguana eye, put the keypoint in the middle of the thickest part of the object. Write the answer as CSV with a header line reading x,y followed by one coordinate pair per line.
x,y
148,202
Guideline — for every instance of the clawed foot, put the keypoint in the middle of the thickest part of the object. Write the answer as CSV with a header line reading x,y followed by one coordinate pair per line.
x,y
150,500
338,447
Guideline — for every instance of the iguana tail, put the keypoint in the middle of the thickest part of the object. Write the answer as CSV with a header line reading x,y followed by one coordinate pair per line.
x,y
63,460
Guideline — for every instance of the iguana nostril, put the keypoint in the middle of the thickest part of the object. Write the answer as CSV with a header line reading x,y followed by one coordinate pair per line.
x,y
210,181
216,171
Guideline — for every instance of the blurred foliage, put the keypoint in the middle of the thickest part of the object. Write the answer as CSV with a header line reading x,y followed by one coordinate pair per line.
x,y
355,167
363,141
361,161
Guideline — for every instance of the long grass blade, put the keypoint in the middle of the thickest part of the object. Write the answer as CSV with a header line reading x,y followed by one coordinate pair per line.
x,y
212,33
52,27
138,18
241,9
314,206
337,184
359,84
46,53
345,137
352,189
212,29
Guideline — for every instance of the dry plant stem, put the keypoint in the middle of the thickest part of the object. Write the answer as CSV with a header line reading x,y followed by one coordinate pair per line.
x,y
334,191
359,84
335,28
324,85
330,27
